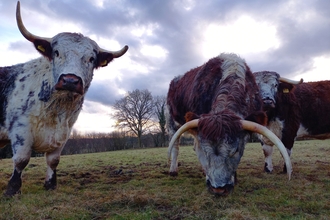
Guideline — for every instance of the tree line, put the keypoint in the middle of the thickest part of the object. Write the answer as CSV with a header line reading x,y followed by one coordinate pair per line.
x,y
101,142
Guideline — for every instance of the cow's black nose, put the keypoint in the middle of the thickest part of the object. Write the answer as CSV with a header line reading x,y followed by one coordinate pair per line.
x,y
220,191
71,83
70,80
268,103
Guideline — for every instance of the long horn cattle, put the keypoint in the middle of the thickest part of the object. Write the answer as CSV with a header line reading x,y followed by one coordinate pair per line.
x,y
41,99
295,110
218,104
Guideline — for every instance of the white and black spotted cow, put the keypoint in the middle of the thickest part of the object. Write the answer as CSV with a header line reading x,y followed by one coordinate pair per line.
x,y
41,99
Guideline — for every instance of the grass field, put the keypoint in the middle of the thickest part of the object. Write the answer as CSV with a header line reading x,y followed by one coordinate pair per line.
x,y
134,184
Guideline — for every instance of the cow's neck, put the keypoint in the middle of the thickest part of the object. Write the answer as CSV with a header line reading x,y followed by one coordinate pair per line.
x,y
63,105
53,125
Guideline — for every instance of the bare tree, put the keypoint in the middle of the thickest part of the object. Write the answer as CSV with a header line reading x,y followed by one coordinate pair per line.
x,y
134,112
160,105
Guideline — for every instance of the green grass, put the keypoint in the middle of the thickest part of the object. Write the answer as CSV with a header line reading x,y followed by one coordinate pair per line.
x,y
91,186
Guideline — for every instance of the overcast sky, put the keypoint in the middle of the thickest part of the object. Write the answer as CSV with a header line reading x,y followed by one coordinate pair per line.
x,y
168,38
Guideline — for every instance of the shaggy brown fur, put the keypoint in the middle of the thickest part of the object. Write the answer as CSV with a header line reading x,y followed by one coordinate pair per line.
x,y
218,100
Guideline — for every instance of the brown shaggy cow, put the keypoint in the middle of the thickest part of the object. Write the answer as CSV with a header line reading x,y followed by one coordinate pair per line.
x,y
212,101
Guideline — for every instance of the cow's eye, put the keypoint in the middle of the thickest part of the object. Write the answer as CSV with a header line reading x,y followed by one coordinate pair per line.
x,y
234,152
56,53
91,59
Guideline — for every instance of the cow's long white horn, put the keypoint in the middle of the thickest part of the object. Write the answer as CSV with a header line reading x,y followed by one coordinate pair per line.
x,y
281,79
116,54
23,30
254,127
181,130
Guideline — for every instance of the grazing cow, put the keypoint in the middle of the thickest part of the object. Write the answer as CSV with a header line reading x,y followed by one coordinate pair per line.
x,y
211,102
294,109
41,99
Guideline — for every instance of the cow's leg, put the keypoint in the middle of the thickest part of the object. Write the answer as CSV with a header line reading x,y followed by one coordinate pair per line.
x,y
52,160
276,127
174,159
268,151
200,155
288,141
21,157
284,167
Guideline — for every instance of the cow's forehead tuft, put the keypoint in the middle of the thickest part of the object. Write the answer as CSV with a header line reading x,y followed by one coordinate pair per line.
x,y
66,39
266,76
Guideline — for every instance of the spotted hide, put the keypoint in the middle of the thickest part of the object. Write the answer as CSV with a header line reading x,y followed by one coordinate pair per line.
x,y
41,99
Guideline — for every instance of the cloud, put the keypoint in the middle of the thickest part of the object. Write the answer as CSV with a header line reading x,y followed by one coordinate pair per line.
x,y
168,38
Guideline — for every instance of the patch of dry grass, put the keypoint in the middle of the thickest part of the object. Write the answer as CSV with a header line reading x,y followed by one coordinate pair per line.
x,y
134,184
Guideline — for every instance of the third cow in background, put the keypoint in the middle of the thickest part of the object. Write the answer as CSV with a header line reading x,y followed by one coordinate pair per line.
x,y
294,109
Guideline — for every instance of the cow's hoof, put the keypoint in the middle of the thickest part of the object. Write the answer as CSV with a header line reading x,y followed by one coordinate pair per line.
x,y
266,170
49,185
174,173
284,170
13,188
11,193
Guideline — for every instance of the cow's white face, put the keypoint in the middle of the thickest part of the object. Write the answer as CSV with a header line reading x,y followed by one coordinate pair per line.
x,y
220,161
74,58
268,83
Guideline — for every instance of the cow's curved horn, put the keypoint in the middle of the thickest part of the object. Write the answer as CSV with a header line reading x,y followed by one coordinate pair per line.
x,y
115,54
246,125
254,127
23,30
290,81
181,130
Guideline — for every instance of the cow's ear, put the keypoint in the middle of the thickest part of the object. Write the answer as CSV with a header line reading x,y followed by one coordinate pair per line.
x,y
43,47
285,87
190,116
103,59
259,117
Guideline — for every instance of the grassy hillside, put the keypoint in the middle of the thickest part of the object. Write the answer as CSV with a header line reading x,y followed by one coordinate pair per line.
x,y
134,184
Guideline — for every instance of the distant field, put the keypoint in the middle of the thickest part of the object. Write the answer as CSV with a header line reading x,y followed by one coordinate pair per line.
x,y
134,184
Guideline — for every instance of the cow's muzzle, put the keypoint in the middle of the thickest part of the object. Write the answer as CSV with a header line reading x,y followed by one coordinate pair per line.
x,y
220,191
70,82
268,103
